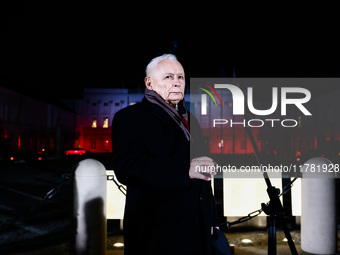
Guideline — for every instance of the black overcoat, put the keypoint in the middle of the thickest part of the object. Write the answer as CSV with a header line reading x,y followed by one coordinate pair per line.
x,y
166,212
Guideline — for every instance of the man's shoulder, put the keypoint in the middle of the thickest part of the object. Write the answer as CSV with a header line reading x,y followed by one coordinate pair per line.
x,y
132,111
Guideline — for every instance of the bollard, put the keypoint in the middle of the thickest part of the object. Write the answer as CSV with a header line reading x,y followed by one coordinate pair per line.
x,y
318,210
90,208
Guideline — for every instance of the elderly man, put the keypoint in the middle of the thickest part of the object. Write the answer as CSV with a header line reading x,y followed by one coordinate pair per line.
x,y
169,203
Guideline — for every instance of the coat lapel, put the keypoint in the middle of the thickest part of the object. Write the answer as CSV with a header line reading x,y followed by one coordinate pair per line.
x,y
165,118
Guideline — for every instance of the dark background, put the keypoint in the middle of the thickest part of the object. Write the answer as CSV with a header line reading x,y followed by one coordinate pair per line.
x,y
57,49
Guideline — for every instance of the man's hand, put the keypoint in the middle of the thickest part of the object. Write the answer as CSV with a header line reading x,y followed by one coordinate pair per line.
x,y
202,168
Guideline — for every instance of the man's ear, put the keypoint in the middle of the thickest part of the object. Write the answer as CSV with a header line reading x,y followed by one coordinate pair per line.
x,y
147,81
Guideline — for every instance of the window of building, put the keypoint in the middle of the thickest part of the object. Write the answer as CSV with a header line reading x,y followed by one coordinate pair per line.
x,y
51,143
106,122
94,103
106,104
106,143
116,103
94,124
93,143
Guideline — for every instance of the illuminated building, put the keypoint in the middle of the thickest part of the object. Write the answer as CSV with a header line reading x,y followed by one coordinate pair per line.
x,y
28,124
31,125
98,106
94,116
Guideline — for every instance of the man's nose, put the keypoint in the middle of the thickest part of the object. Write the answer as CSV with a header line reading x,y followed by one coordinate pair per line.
x,y
177,82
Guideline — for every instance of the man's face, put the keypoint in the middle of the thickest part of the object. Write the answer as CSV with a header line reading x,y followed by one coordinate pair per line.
x,y
167,80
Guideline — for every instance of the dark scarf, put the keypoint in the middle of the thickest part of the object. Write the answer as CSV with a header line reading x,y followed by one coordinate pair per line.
x,y
176,115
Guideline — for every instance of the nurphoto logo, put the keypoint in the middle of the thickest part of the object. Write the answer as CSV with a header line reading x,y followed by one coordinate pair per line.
x,y
243,103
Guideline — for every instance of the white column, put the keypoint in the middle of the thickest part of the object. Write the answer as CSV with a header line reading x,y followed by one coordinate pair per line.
x,y
90,208
318,212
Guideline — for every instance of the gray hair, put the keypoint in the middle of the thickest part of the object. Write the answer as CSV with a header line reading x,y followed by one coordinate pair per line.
x,y
154,62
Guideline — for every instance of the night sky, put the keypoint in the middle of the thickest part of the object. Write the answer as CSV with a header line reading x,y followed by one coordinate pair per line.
x,y
57,51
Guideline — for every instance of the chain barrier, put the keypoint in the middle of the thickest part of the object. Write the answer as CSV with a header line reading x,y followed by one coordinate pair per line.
x,y
256,213
120,186
251,215
228,224
66,179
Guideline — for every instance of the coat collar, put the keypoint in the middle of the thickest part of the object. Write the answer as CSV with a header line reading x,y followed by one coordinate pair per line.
x,y
164,117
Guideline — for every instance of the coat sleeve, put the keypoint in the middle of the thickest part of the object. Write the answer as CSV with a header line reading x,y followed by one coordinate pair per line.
x,y
201,148
135,166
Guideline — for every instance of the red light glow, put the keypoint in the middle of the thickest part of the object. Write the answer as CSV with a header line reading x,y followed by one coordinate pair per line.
x,y
75,152
298,153
19,142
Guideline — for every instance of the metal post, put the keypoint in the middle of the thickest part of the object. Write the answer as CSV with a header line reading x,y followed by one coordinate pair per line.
x,y
90,208
318,212
271,222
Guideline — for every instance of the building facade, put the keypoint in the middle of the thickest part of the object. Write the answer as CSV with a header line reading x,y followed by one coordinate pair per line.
x,y
96,109
94,116
31,125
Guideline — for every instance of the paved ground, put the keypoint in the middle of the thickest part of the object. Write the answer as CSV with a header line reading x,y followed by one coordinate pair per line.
x,y
258,247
